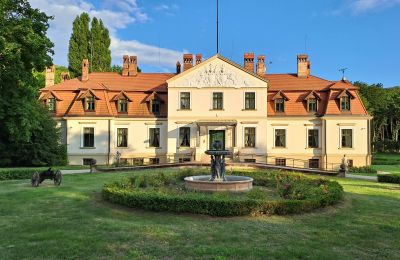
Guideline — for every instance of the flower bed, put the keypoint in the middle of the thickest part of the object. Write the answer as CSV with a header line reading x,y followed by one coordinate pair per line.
x,y
296,193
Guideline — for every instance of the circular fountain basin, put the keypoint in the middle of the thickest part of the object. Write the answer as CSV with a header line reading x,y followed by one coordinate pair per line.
x,y
232,183
218,152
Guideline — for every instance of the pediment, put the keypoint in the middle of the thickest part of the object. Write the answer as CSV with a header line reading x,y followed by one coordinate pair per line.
x,y
217,72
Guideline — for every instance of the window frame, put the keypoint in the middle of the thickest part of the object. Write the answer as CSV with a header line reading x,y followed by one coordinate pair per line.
x,y
318,138
309,103
342,108
150,137
118,136
283,105
341,138
180,100
285,140
54,102
87,109
245,100
83,137
126,105
152,103
212,100
181,140
244,137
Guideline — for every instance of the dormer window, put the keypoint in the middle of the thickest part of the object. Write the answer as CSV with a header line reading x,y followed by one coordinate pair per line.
x,y
345,103
51,104
280,105
90,104
154,103
122,106
155,106
312,105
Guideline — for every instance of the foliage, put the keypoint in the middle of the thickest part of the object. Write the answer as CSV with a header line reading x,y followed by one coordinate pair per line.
x,y
389,178
89,43
25,127
362,169
160,192
384,105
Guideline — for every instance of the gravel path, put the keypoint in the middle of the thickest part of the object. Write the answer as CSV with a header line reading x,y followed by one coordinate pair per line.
x,y
361,177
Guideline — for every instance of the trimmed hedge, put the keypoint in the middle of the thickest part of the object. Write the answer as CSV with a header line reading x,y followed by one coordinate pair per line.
x,y
17,174
363,169
162,193
389,178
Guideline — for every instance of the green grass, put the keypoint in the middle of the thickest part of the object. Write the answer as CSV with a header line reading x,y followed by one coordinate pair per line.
x,y
72,221
65,167
386,159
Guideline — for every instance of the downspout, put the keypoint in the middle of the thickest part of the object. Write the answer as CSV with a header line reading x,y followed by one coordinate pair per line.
x,y
325,155
109,142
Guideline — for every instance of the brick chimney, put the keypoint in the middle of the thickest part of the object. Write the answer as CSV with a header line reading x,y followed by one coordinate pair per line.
x,y
199,58
125,65
260,67
49,74
65,76
178,67
85,70
187,61
133,66
249,61
303,66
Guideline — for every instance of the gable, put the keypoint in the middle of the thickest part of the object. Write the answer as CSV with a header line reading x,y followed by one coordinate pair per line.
x,y
217,72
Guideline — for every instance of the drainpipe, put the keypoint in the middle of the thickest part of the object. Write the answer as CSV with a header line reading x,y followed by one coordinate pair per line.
x,y
109,141
325,137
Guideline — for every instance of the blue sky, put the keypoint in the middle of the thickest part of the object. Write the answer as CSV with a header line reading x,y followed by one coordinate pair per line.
x,y
361,35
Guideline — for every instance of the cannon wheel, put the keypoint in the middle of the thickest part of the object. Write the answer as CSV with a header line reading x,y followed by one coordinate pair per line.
x,y
57,178
35,179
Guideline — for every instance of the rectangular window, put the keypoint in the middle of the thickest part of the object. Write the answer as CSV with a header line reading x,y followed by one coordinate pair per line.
x,y
87,161
350,163
184,136
345,103
154,160
249,160
184,159
51,104
313,163
280,137
249,137
347,138
250,100
155,106
313,138
218,100
122,106
154,137
88,137
185,100
122,137
280,105
280,161
90,104
312,105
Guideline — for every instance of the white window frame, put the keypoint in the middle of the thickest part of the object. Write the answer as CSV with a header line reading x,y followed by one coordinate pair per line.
x,y
286,137
212,100
94,136
243,136
190,136
352,137
148,136
244,100
116,138
319,136
179,99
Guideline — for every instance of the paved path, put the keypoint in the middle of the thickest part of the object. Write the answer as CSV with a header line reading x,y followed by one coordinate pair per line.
x,y
361,177
75,171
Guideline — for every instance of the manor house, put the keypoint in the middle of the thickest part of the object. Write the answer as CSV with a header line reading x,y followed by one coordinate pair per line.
x,y
294,119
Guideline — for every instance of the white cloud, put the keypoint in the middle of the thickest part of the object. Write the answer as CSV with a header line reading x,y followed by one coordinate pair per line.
x,y
360,6
167,9
115,15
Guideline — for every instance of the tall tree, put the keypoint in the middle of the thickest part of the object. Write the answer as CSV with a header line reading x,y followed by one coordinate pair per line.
x,y
25,127
99,46
79,44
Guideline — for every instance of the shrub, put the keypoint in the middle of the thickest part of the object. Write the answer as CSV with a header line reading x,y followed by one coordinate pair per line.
x,y
362,169
159,192
17,174
389,178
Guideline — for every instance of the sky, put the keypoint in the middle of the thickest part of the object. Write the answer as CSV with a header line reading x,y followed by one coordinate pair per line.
x,y
360,35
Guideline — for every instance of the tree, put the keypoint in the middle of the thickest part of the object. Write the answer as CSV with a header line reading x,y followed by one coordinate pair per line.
x,y
24,47
79,44
99,47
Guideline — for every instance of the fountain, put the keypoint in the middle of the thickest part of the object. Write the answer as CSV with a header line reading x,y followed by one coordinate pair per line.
x,y
218,181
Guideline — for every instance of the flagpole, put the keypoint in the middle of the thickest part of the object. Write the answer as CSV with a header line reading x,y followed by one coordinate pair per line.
x,y
217,30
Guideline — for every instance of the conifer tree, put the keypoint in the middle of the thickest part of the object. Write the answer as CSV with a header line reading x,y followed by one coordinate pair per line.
x,y
100,54
79,44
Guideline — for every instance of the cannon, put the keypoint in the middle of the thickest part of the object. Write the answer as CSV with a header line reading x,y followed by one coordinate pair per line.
x,y
38,178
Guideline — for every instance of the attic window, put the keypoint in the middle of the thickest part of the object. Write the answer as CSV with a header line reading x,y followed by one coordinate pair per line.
x,y
51,104
155,106
345,103
312,105
280,105
90,104
122,105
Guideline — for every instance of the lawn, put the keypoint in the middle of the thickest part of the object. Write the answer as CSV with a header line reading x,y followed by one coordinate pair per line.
x,y
72,221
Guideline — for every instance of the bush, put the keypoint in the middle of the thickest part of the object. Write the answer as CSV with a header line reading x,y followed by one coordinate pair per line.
x,y
362,169
160,192
17,174
389,178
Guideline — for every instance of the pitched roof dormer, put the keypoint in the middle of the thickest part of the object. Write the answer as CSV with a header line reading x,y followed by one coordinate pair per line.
x,y
280,94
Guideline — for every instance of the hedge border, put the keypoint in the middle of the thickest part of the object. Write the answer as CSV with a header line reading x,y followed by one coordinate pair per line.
x,y
223,207
389,178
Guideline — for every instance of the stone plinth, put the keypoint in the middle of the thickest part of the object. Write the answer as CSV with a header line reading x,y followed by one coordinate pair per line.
x,y
232,183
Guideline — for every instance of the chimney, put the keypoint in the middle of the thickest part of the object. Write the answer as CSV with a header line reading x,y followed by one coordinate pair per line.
x,y
133,66
261,69
199,58
178,67
125,65
187,61
249,61
85,70
49,74
65,76
303,66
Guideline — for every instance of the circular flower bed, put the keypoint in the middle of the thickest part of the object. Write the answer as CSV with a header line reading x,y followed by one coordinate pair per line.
x,y
275,192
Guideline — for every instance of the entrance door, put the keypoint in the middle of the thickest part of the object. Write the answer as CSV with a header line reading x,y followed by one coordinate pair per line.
x,y
217,135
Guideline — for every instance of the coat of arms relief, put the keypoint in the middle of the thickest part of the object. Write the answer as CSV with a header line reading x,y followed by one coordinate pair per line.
x,y
215,75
